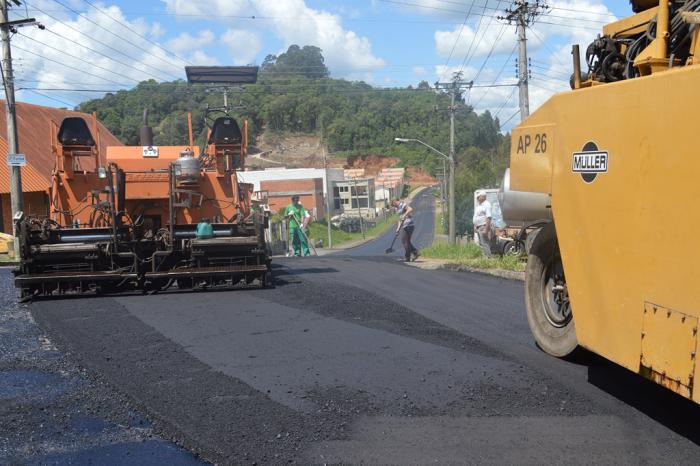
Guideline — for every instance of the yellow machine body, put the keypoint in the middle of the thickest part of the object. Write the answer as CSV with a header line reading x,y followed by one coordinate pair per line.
x,y
622,165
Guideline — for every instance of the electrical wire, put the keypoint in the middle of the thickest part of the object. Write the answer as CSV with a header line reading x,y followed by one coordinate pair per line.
x,y
68,104
498,76
121,38
459,36
450,2
146,72
95,40
493,46
467,56
418,5
138,34
508,120
63,52
63,64
505,102
544,43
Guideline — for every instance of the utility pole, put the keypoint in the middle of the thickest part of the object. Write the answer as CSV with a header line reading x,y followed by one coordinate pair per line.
x,y
7,26
454,87
523,13
359,209
328,190
443,195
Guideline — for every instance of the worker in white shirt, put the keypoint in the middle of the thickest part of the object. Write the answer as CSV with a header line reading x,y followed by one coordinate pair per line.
x,y
482,222
405,228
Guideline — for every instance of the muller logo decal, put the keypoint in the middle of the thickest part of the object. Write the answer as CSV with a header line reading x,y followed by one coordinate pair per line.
x,y
589,162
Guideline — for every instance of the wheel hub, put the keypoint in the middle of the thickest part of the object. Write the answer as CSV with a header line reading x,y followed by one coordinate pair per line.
x,y
557,307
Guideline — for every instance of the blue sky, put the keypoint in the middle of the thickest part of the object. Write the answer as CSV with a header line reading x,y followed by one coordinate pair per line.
x,y
90,44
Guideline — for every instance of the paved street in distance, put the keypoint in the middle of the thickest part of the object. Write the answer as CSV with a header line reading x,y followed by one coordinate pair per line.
x,y
354,358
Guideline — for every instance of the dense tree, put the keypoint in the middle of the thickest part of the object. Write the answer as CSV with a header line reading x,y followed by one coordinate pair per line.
x,y
303,61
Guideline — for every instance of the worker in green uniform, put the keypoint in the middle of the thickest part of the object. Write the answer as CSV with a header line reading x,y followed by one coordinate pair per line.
x,y
298,220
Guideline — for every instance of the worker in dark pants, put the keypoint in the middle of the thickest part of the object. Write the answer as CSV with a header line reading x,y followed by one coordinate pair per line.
x,y
405,227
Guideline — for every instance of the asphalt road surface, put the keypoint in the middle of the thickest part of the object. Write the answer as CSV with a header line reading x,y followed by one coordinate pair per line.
x,y
356,358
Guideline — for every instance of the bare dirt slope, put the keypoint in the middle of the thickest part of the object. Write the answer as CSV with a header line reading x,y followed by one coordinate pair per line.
x,y
302,151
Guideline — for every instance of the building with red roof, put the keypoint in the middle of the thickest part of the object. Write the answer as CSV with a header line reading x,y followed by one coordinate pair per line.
x,y
34,132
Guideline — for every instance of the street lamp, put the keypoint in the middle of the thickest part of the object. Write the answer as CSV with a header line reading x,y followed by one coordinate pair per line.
x,y
452,228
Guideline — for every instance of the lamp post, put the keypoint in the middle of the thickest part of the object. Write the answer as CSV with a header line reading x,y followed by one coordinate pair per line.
x,y
452,228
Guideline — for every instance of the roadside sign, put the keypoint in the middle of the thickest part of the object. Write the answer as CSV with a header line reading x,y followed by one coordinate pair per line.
x,y
16,160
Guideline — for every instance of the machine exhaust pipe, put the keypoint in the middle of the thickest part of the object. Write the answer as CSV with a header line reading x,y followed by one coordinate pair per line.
x,y
520,207
146,133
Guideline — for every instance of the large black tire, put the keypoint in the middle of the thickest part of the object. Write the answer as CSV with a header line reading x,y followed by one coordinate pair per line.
x,y
548,308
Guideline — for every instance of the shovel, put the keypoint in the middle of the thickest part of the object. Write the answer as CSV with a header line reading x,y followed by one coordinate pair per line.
x,y
308,241
390,249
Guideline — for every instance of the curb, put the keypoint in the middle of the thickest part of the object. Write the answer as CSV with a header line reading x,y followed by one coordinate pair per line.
x,y
433,264
507,274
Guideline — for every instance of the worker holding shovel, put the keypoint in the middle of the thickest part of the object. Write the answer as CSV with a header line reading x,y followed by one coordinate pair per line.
x,y
405,228
298,220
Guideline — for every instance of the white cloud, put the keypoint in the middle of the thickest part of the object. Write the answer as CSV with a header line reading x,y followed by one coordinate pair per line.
x,y
105,56
295,23
549,47
187,43
199,57
156,31
243,45
419,71
473,42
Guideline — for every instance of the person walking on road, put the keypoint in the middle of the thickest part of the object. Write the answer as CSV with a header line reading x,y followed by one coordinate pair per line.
x,y
405,228
298,221
482,222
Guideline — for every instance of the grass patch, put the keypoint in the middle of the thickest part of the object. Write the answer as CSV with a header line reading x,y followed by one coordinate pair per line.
x,y
318,230
470,255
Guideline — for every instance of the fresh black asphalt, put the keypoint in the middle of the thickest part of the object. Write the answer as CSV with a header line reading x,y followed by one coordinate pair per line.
x,y
356,358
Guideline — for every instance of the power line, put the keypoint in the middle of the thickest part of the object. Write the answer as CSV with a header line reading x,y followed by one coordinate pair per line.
x,y
314,19
138,34
547,68
610,15
68,104
159,78
498,76
93,39
283,89
497,8
459,36
63,52
544,43
493,46
500,127
504,104
473,41
67,66
565,25
118,36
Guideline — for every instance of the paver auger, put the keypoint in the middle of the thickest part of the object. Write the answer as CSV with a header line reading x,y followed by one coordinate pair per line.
x,y
131,222
616,163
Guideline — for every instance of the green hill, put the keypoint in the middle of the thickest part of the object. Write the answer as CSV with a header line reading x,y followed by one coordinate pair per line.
x,y
294,94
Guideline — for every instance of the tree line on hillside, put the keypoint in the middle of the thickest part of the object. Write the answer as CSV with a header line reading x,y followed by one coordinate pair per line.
x,y
295,94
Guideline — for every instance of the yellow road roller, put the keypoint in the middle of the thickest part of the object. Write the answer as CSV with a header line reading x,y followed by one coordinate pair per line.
x,y
616,166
